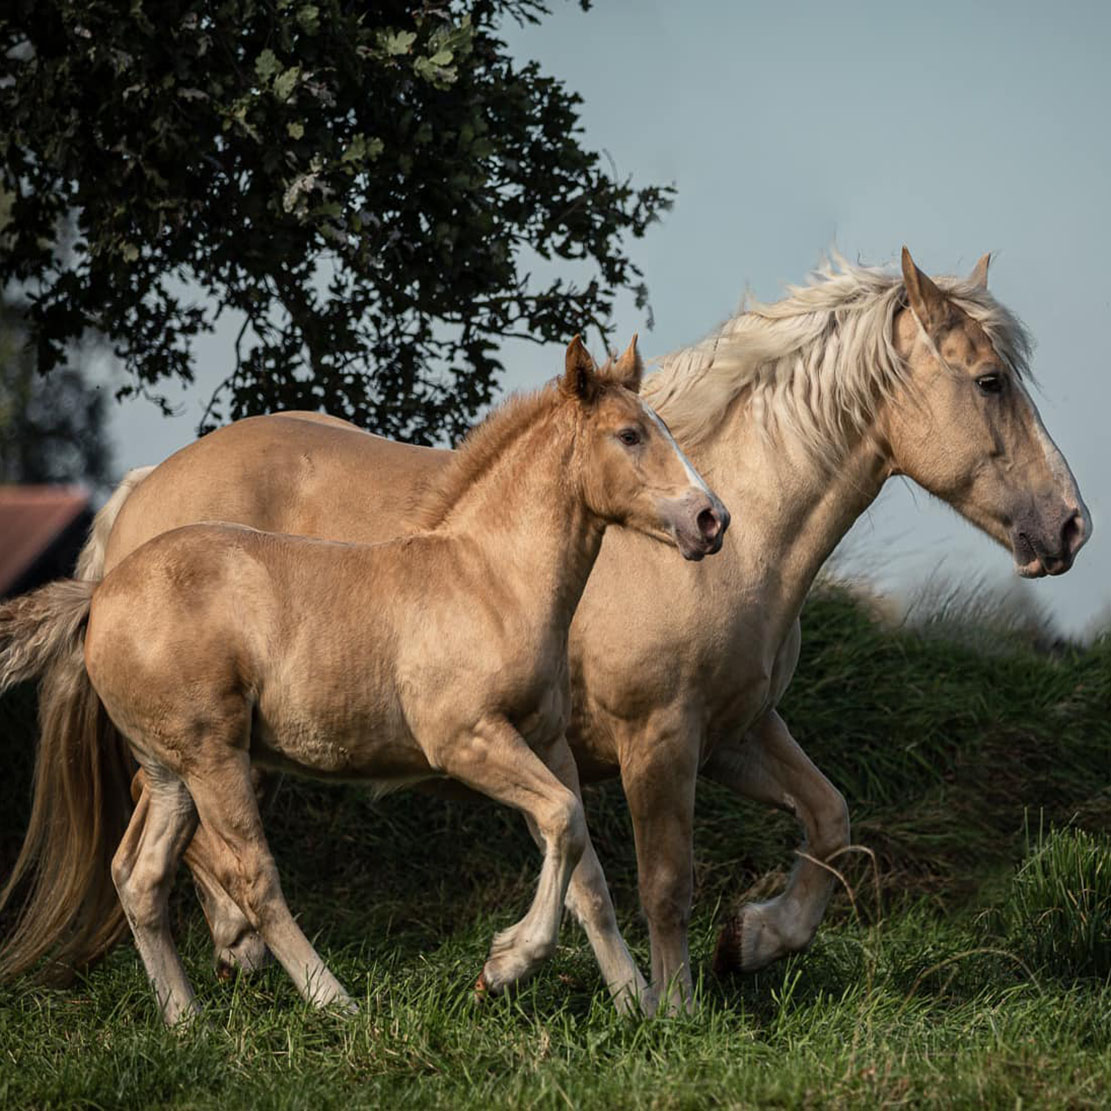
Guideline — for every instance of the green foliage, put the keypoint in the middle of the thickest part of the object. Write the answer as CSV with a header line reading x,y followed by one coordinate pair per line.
x,y
1057,910
357,184
940,745
51,430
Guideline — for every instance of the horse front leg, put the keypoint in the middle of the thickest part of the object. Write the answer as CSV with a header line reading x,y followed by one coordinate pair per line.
x,y
768,765
659,773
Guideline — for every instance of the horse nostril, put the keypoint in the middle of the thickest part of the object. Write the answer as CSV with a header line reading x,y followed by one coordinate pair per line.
x,y
708,524
1071,534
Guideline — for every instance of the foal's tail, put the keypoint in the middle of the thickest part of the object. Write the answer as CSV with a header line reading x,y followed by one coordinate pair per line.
x,y
37,629
80,803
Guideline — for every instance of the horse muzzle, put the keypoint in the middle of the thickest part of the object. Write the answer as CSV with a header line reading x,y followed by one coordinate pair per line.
x,y
1049,549
699,527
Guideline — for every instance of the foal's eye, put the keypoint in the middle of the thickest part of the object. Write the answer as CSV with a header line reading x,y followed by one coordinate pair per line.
x,y
990,383
630,437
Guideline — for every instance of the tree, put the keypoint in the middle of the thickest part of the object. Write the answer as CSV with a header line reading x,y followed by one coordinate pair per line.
x,y
51,429
358,183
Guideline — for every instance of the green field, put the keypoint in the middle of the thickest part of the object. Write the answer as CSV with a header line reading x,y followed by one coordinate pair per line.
x,y
970,965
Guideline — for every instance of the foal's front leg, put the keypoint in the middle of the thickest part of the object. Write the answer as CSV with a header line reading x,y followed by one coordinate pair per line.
x,y
497,761
588,899
768,765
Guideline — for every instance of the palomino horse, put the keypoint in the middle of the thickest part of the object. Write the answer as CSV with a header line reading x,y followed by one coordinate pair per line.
x,y
215,647
800,410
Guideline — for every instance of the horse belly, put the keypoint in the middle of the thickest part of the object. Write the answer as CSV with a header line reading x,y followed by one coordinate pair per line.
x,y
336,739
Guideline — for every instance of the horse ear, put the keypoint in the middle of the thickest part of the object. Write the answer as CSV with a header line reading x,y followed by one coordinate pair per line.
x,y
580,375
927,302
630,367
979,275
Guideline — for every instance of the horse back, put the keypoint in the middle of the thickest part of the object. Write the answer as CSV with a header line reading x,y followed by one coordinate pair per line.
x,y
305,474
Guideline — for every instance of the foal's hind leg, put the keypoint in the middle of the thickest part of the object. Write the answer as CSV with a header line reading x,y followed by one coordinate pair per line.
x,y
236,944
768,765
143,872
243,866
497,761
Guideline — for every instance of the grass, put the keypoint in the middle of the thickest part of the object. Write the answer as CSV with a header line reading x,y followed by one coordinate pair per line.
x,y
933,991
1058,906
915,1011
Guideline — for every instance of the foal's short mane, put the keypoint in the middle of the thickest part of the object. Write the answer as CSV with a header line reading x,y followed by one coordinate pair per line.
x,y
817,363
489,440
480,448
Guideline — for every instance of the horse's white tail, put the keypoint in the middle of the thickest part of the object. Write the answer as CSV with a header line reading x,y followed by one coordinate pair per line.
x,y
90,563
81,803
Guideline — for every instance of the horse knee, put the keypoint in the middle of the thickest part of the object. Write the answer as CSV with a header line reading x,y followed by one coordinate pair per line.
x,y
565,827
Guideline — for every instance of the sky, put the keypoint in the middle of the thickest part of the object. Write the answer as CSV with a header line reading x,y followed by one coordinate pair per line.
x,y
954,128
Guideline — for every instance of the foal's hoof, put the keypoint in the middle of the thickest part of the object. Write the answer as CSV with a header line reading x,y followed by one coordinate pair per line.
x,y
246,954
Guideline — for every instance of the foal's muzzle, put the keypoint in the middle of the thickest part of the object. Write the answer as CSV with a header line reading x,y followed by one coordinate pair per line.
x,y
699,525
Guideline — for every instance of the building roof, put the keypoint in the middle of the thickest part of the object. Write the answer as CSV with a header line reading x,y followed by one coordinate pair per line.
x,y
32,519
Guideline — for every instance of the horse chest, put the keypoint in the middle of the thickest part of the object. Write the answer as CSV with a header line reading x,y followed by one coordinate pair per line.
x,y
709,679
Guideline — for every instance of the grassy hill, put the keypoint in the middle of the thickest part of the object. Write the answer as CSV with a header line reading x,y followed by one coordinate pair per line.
x,y
970,966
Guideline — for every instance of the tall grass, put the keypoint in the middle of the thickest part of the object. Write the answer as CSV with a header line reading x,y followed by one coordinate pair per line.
x,y
1057,909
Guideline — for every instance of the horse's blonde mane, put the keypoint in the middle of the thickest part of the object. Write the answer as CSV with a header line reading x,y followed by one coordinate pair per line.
x,y
818,363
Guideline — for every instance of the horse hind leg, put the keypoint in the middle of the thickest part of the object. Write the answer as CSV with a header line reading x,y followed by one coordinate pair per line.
x,y
237,947
143,870
242,865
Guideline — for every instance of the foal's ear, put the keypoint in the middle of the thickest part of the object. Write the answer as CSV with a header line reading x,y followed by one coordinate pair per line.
x,y
927,302
580,376
627,371
979,275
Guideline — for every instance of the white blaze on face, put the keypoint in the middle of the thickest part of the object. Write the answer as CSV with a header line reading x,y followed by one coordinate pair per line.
x,y
696,479
1058,467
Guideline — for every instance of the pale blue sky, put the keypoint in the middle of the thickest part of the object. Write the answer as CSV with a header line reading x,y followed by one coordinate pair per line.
x,y
955,128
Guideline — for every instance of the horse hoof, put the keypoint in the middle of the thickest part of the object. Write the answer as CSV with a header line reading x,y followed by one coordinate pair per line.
x,y
727,952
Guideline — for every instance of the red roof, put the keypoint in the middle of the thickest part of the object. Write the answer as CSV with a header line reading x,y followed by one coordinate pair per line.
x,y
31,519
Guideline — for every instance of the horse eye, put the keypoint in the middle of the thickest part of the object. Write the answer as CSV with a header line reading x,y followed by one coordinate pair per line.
x,y
990,383
630,437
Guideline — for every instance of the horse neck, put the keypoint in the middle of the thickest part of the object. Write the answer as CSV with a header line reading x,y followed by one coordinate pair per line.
x,y
794,508
528,518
